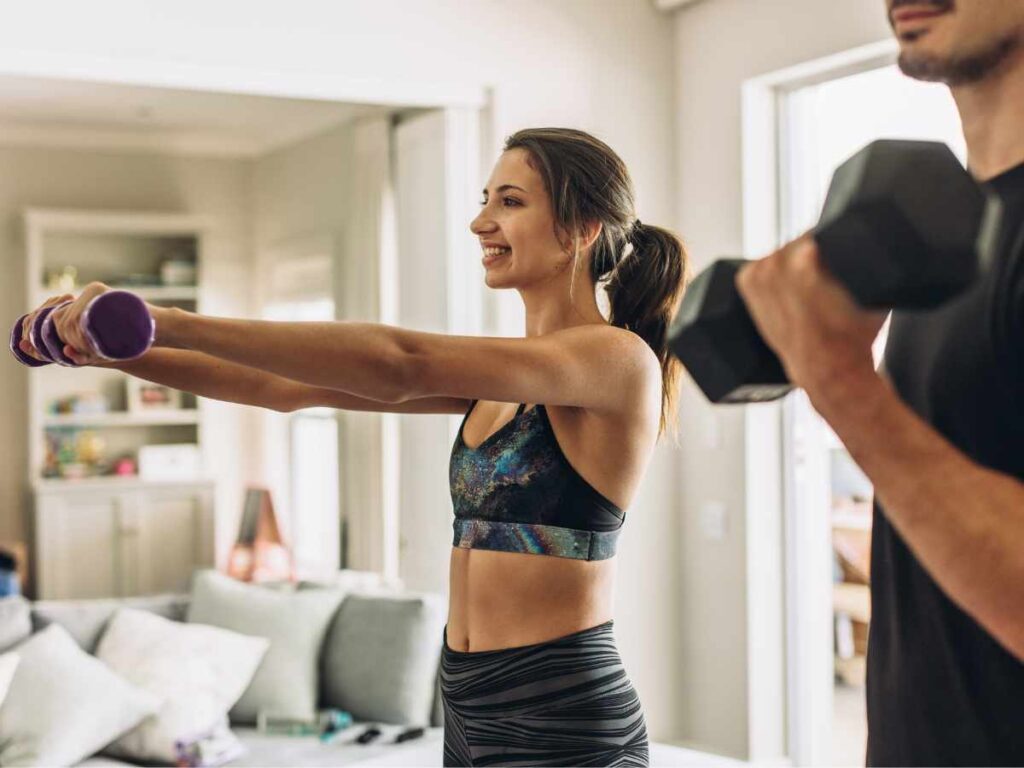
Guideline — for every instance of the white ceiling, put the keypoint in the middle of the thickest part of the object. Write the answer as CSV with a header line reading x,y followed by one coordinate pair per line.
x,y
48,112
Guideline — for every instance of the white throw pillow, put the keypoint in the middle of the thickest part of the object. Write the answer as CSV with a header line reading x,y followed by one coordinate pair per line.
x,y
8,663
198,671
64,705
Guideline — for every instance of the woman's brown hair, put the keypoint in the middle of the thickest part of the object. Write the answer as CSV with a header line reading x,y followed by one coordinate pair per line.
x,y
644,268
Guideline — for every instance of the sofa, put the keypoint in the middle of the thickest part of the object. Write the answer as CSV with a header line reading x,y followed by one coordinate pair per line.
x,y
232,652
354,643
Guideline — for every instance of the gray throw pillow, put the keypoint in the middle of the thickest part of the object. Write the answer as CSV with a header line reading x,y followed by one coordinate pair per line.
x,y
381,657
63,705
295,623
15,621
85,620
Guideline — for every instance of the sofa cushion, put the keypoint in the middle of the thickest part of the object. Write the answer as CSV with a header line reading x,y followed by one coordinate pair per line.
x,y
64,705
8,665
295,623
381,657
85,620
197,671
15,621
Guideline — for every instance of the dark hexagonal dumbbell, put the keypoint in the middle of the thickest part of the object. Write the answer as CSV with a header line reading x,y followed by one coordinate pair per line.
x,y
904,226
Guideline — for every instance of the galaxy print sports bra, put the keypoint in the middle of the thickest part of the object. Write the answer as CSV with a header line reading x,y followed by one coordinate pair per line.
x,y
516,492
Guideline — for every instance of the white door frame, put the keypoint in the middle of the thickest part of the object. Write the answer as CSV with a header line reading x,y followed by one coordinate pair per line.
x,y
786,690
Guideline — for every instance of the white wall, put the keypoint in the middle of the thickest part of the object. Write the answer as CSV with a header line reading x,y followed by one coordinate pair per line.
x,y
719,44
602,65
107,180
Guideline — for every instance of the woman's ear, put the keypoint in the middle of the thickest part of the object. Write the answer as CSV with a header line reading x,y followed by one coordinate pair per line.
x,y
589,234
585,238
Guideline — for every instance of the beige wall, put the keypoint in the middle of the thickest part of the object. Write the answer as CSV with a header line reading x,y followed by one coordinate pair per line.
x,y
719,44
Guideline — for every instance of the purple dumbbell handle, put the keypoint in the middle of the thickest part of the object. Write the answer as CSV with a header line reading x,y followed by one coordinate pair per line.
x,y
20,356
117,324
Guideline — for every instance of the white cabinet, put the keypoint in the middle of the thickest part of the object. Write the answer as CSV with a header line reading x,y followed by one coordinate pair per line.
x,y
116,539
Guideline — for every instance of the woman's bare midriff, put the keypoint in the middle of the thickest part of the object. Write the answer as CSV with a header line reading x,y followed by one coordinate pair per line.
x,y
510,599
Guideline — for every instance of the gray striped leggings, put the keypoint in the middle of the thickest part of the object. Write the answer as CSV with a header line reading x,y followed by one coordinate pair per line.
x,y
564,702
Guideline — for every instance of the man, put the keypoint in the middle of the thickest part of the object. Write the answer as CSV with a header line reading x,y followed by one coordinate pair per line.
x,y
941,434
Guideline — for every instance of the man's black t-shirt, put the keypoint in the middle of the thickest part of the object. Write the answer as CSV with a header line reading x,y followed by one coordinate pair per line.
x,y
940,689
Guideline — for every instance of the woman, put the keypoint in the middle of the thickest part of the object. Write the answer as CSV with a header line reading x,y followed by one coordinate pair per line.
x,y
559,428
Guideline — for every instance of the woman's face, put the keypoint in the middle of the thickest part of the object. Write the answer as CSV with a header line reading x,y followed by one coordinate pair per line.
x,y
516,226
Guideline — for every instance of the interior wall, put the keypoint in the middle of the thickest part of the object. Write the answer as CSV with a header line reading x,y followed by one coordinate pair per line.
x,y
64,178
718,45
605,66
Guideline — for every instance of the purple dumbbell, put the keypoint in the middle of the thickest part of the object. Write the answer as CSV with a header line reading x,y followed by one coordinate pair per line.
x,y
117,324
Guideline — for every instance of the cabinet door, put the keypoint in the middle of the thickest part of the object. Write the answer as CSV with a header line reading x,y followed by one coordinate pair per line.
x,y
77,553
174,538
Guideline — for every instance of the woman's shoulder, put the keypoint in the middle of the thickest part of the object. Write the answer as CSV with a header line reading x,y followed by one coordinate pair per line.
x,y
611,338
636,365
623,346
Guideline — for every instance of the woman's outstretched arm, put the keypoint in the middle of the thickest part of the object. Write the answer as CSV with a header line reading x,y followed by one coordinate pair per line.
x,y
587,366
217,379
592,366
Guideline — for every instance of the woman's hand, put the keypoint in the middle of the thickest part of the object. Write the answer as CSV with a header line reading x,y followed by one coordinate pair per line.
x,y
67,321
25,344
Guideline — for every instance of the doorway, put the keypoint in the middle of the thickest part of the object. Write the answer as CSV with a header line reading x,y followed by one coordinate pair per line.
x,y
202,139
827,497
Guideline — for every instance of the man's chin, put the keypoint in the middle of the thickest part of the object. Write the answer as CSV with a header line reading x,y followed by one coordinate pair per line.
x,y
922,65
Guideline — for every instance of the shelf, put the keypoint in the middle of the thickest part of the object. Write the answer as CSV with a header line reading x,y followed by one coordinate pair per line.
x,y
162,292
113,483
144,292
123,419
126,250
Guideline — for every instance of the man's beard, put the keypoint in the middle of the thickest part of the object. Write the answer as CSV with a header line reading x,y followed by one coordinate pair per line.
x,y
958,69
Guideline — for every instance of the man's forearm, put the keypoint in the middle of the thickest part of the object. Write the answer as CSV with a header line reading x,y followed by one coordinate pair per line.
x,y
211,377
965,523
364,359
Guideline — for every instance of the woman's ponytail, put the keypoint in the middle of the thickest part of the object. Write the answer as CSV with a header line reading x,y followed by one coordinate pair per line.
x,y
644,291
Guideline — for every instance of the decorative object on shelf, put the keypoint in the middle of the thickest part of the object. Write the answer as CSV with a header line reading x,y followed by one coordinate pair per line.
x,y
260,553
80,403
126,467
74,470
169,462
143,396
91,448
64,281
74,454
178,271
